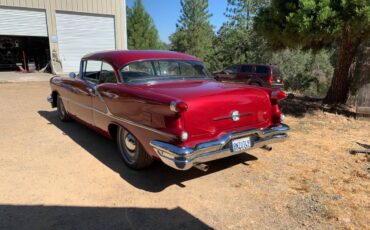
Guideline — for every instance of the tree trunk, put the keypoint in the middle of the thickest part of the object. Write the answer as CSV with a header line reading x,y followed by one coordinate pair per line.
x,y
340,84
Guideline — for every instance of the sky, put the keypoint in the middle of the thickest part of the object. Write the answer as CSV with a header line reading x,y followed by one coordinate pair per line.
x,y
165,14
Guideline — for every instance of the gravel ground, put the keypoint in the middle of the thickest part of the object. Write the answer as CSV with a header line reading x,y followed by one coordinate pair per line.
x,y
57,175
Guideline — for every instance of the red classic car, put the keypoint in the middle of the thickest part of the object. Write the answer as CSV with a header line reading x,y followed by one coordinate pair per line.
x,y
165,105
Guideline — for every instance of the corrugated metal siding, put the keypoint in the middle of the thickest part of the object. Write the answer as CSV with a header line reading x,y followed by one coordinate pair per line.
x,y
86,6
77,38
23,22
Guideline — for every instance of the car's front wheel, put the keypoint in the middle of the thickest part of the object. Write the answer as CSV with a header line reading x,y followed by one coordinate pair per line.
x,y
61,110
131,150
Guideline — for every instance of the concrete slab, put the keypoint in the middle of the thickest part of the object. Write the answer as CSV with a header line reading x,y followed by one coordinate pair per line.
x,y
24,77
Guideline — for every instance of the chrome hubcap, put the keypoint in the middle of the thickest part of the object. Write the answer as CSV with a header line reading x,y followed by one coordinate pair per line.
x,y
128,146
130,142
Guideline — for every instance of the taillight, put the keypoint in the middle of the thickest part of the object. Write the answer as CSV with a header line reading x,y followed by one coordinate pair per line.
x,y
270,79
278,95
178,106
277,115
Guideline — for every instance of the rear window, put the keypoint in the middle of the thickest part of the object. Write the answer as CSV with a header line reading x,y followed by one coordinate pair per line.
x,y
263,69
276,71
232,69
163,70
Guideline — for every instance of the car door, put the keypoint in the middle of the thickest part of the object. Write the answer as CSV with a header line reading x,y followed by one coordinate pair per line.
x,y
83,90
107,80
246,73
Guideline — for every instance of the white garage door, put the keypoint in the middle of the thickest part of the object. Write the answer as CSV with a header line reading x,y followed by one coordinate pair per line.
x,y
23,22
82,34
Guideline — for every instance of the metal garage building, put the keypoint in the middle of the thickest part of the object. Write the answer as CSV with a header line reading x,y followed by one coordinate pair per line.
x,y
58,32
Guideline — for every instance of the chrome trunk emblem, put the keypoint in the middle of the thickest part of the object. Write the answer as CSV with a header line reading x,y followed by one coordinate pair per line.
x,y
235,116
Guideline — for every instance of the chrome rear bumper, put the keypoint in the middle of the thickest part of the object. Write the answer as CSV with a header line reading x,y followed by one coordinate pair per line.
x,y
182,158
279,86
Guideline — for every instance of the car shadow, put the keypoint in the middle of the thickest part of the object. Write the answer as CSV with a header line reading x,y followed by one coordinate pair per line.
x,y
154,178
75,217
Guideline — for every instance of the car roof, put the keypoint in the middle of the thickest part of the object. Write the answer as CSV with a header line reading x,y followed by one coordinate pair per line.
x,y
267,65
119,58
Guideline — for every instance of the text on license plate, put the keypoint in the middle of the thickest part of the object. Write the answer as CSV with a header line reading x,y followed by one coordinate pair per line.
x,y
241,144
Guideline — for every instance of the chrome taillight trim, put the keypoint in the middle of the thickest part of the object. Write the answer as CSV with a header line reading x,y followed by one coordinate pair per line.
x,y
173,106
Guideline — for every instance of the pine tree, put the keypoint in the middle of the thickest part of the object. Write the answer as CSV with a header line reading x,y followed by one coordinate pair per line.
x,y
241,12
194,33
141,31
318,25
236,41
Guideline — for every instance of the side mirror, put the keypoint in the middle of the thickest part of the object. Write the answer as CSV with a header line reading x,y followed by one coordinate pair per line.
x,y
72,75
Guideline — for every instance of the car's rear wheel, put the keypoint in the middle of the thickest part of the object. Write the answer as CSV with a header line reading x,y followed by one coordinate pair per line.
x,y
61,110
132,152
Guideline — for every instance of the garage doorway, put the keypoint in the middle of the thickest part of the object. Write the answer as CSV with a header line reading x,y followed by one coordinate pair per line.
x,y
23,39
24,52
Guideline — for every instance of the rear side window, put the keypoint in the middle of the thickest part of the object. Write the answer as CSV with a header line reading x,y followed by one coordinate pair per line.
x,y
232,69
263,69
247,69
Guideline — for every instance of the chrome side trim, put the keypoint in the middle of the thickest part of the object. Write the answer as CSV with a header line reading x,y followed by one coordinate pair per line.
x,y
110,115
183,158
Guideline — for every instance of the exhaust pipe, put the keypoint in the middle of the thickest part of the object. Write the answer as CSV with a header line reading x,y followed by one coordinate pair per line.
x,y
266,147
202,167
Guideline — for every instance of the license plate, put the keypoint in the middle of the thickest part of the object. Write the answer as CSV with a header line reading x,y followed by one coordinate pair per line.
x,y
241,144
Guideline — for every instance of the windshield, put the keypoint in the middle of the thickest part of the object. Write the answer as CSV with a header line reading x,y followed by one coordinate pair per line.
x,y
163,70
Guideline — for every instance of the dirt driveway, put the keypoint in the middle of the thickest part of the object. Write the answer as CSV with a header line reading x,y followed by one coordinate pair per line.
x,y
57,175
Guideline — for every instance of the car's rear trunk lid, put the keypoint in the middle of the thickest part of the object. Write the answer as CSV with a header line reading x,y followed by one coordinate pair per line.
x,y
215,107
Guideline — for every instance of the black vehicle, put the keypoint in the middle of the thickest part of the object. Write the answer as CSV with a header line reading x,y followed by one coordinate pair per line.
x,y
253,74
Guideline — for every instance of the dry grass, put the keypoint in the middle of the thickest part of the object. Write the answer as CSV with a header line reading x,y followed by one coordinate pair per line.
x,y
319,152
